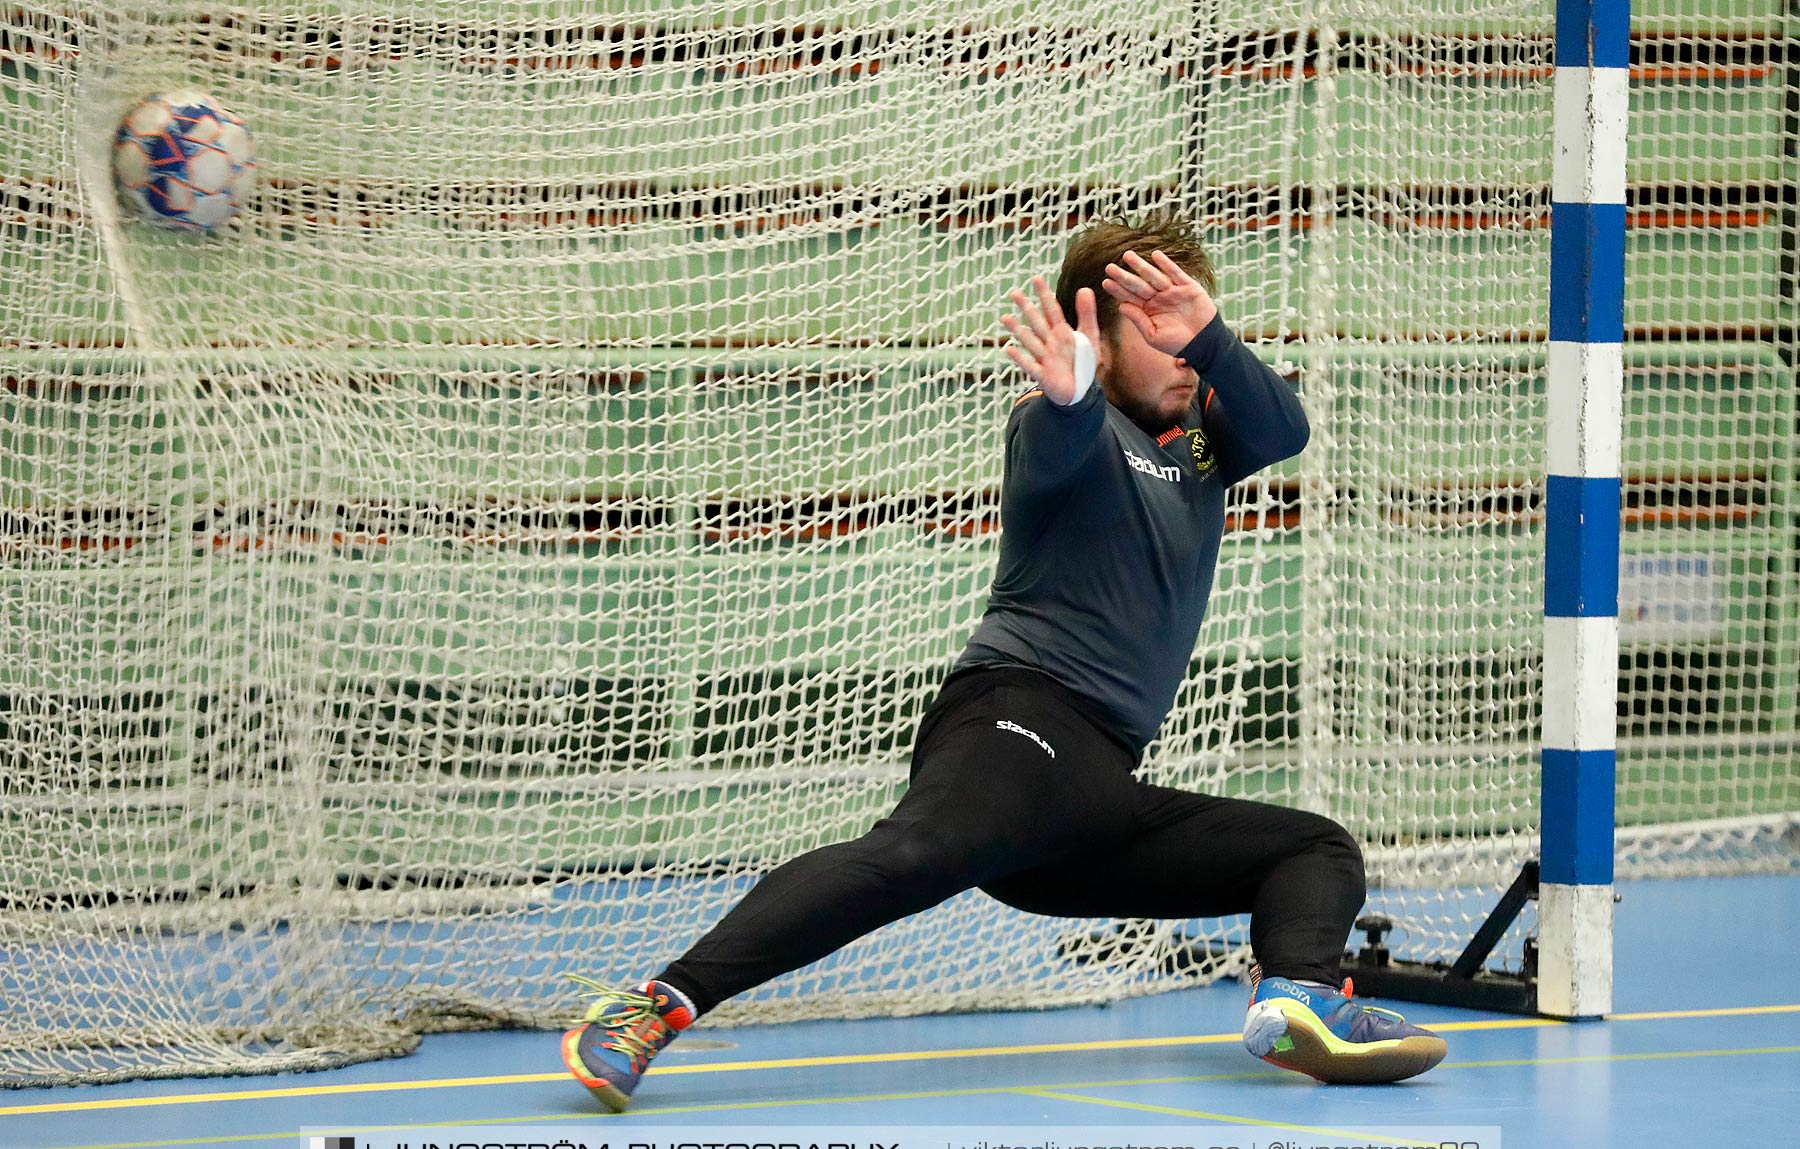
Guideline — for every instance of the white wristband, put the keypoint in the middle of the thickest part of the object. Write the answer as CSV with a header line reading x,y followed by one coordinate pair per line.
x,y
1086,361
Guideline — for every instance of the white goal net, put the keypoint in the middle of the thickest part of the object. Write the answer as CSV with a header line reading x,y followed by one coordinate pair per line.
x,y
555,501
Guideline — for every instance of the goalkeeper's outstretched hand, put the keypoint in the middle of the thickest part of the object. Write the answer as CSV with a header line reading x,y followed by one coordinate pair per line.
x,y
1045,346
1166,304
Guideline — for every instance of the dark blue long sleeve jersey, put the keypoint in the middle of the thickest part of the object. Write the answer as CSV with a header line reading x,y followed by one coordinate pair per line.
x,y
1110,535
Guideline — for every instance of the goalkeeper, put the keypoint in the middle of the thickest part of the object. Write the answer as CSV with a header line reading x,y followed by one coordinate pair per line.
x,y
1113,503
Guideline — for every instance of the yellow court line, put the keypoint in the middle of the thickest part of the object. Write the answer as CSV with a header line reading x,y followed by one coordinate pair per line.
x,y
807,1063
926,1095
1677,1013
661,1071
1654,1055
715,1107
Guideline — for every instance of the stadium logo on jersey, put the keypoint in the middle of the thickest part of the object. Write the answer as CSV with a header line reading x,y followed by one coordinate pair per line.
x,y
1003,724
1144,466
1203,456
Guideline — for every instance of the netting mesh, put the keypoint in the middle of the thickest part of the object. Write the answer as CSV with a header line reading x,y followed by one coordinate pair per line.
x,y
556,502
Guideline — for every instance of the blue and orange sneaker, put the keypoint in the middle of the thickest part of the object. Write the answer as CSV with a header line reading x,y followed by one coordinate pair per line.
x,y
609,1051
1323,1034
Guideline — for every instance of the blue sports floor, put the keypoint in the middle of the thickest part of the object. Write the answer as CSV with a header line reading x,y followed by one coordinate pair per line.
x,y
1704,1050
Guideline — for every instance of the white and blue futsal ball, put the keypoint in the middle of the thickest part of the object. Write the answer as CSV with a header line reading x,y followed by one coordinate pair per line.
x,y
180,160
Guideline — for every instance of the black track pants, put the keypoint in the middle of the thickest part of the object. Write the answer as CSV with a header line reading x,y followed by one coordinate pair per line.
x,y
1016,791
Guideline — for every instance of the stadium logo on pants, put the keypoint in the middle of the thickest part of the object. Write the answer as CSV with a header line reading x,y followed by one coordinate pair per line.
x,y
1003,724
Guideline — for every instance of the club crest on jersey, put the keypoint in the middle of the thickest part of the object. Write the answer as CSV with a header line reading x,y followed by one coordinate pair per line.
x,y
1203,455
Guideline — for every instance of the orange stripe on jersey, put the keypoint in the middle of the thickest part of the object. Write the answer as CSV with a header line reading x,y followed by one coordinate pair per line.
x,y
1207,406
1028,395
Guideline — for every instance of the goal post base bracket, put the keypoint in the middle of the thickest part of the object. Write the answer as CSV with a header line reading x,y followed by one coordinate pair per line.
x,y
1462,983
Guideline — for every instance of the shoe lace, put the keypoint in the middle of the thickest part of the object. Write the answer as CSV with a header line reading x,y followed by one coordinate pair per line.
x,y
626,1030
1349,991
1388,1013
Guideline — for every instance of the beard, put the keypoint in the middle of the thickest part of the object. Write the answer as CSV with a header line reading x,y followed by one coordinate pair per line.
x,y
1153,417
